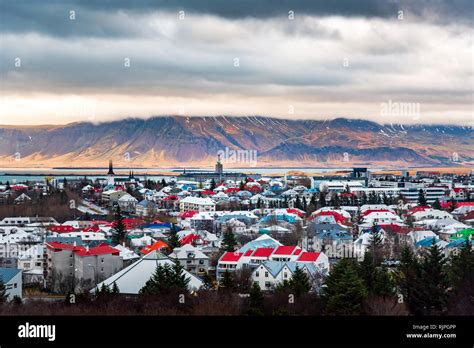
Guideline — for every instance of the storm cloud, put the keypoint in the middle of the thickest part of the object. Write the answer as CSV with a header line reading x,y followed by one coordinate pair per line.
x,y
144,58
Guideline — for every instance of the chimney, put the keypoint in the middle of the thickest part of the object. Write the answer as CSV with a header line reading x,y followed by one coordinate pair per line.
x,y
87,248
74,244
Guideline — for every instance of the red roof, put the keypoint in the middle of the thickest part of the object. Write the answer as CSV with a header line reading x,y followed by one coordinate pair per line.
x,y
248,252
367,212
189,239
187,214
62,246
263,252
91,229
232,190
447,204
285,250
297,252
208,192
295,211
308,256
418,208
458,189
231,256
155,246
394,228
99,222
253,188
170,198
337,216
99,250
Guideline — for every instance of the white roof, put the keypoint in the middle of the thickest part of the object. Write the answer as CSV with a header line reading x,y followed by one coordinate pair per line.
x,y
127,198
185,250
198,200
126,253
132,279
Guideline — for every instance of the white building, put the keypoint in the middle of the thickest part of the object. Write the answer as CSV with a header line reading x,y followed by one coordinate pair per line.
x,y
197,204
12,279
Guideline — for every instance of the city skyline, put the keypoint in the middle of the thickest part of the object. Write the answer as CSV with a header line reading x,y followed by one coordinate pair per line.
x,y
70,61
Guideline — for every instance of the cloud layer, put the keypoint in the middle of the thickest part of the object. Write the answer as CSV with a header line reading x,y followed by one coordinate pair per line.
x,y
118,59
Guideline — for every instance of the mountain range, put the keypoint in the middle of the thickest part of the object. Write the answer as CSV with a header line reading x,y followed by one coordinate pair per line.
x,y
179,141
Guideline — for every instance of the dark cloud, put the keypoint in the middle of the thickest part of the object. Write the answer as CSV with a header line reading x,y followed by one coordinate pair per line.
x,y
51,16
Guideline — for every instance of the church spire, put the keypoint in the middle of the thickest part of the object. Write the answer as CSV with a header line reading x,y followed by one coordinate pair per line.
x,y
111,168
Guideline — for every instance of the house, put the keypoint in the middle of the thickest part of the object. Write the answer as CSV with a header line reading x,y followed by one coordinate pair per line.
x,y
80,267
12,279
23,198
132,279
109,197
192,259
32,263
127,203
322,236
272,273
146,208
196,204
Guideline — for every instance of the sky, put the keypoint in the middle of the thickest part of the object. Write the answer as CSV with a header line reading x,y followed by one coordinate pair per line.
x,y
400,61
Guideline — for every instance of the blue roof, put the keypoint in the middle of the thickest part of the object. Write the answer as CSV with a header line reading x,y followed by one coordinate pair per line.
x,y
6,274
279,217
427,242
65,240
264,243
457,243
157,226
275,267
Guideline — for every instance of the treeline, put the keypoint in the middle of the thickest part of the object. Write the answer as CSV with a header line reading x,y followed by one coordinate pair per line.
x,y
427,284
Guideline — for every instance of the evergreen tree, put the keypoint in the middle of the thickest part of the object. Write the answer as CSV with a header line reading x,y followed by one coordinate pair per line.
x,y
242,186
3,292
336,201
298,203
322,199
421,198
384,284
208,281
213,185
437,204
408,281
452,204
345,289
461,268
435,281
115,289
305,204
367,270
256,300
227,281
228,240
173,238
299,282
166,279
119,231
163,183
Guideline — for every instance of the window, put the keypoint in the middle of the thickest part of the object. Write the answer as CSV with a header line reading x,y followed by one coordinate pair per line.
x,y
201,262
266,274
102,260
14,285
38,264
267,284
257,274
285,275
102,269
